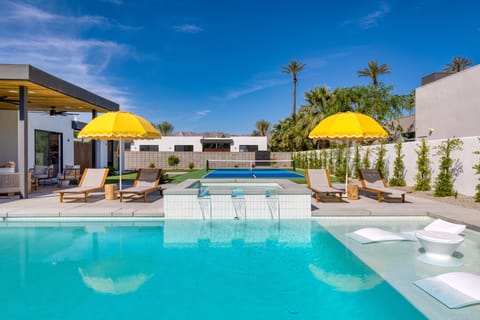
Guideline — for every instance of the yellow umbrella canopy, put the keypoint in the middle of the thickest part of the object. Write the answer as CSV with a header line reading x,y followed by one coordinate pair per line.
x,y
348,126
119,125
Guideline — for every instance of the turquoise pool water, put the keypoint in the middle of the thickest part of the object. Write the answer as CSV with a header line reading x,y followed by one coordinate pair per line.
x,y
188,270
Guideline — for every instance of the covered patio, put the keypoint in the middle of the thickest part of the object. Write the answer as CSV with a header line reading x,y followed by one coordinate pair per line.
x,y
24,88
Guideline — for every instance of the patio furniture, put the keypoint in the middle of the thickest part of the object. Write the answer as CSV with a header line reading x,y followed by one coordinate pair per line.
x,y
146,181
372,181
438,244
70,172
318,180
453,289
369,235
92,180
10,184
43,173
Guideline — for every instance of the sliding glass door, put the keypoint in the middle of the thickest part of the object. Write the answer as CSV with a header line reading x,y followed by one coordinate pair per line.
x,y
48,149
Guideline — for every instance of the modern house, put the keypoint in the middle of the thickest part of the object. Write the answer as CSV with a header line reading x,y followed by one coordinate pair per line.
x,y
202,144
447,105
43,137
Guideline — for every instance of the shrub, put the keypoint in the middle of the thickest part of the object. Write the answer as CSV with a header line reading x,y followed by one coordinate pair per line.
x,y
423,178
356,161
173,161
380,162
477,171
366,159
151,165
444,180
191,165
398,178
340,164
111,170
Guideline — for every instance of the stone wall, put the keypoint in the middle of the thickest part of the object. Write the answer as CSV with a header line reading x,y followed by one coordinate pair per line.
x,y
143,159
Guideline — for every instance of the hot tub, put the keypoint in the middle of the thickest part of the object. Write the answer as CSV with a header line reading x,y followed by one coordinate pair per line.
x,y
237,199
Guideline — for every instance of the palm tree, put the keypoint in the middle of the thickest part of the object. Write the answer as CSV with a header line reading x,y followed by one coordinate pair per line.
x,y
458,64
165,128
262,128
373,71
293,68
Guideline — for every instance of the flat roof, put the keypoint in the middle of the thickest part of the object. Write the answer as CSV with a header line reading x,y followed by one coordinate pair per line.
x,y
46,91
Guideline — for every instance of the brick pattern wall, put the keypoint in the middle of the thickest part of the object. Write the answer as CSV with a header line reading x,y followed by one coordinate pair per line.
x,y
143,159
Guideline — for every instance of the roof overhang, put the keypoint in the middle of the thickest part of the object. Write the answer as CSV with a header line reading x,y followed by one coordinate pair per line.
x,y
46,91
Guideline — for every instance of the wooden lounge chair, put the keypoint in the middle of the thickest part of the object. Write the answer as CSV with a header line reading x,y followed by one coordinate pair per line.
x,y
318,180
372,181
92,180
146,181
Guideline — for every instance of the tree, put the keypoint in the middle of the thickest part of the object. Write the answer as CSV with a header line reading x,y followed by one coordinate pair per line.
x,y
422,178
262,128
356,161
458,64
366,159
373,71
165,128
444,180
398,178
293,68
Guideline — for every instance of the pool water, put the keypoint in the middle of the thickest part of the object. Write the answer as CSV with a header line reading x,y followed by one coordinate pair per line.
x,y
255,173
291,269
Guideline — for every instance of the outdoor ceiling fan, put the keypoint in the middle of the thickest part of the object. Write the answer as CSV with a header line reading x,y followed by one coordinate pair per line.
x,y
53,112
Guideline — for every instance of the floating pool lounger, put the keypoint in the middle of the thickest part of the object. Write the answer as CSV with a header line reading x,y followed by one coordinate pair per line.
x,y
454,289
369,235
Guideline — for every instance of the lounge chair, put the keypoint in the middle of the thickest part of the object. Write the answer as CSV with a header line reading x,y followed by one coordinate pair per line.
x,y
453,289
372,181
146,181
369,235
318,180
92,180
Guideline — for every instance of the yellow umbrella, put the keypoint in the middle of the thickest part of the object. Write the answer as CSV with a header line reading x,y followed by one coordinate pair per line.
x,y
119,125
348,126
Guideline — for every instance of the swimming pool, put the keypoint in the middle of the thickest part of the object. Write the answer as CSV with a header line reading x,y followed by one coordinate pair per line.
x,y
287,269
254,173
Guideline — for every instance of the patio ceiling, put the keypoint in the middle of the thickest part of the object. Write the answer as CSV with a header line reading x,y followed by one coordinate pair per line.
x,y
46,91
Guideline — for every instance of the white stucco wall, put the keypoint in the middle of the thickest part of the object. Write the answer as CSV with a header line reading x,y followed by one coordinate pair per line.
x,y
59,124
248,140
450,106
465,178
168,143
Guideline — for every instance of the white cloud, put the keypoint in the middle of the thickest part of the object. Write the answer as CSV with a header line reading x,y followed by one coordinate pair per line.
x,y
371,19
254,86
64,54
188,28
201,114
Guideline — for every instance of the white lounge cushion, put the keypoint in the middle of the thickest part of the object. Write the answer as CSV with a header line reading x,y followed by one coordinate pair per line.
x,y
368,235
454,289
445,226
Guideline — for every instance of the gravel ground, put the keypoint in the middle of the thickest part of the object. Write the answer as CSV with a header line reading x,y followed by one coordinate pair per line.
x,y
461,200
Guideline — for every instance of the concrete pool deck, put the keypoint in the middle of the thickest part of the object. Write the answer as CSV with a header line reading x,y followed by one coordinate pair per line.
x,y
44,204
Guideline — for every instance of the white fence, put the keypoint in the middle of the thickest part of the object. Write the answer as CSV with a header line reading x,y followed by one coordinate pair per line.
x,y
465,179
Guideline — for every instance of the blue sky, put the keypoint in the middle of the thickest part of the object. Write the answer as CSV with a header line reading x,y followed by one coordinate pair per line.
x,y
216,65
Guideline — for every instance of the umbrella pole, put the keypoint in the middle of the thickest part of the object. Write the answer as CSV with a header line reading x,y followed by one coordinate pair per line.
x,y
346,169
120,163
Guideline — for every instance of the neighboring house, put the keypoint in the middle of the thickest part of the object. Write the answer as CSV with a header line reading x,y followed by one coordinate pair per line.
x,y
447,105
202,144
405,128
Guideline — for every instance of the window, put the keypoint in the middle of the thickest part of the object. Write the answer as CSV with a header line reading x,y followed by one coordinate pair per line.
x,y
248,148
149,147
188,147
